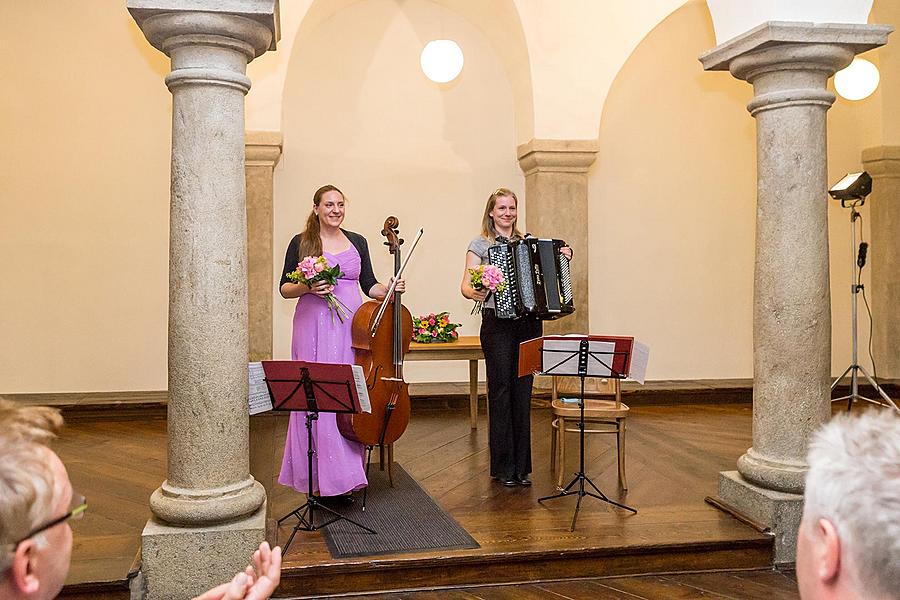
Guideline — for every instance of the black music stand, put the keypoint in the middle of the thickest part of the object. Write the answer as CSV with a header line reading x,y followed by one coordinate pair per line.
x,y
575,357
313,388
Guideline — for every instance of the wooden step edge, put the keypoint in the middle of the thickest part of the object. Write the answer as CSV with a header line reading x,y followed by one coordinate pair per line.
x,y
727,508
99,590
521,567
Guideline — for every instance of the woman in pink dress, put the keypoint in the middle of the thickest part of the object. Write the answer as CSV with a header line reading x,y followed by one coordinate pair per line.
x,y
319,336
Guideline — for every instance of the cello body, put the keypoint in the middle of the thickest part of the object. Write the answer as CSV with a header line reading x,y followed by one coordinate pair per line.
x,y
381,357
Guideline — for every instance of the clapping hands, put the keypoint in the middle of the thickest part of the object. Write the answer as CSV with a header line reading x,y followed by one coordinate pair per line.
x,y
257,582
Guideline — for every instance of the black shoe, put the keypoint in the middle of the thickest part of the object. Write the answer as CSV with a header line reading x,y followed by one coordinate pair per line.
x,y
509,482
523,480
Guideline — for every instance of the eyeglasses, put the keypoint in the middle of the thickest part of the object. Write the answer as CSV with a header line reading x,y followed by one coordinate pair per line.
x,y
76,511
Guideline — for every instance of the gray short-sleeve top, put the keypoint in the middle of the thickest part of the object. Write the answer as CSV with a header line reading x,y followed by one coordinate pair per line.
x,y
479,246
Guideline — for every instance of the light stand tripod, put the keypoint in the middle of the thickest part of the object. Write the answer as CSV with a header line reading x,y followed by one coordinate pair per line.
x,y
580,479
855,288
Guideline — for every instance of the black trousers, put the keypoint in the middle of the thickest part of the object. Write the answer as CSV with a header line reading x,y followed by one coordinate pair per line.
x,y
509,396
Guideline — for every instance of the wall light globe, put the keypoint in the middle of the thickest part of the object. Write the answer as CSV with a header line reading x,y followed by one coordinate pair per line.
x,y
441,60
857,81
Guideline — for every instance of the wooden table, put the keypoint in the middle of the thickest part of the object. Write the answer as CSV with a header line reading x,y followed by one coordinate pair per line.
x,y
467,347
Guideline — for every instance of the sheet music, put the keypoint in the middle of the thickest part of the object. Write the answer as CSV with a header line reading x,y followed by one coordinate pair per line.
x,y
602,353
359,378
260,400
640,354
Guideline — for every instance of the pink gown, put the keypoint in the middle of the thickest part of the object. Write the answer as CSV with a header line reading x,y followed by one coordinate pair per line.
x,y
338,464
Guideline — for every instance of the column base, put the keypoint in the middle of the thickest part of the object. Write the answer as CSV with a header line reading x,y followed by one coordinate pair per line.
x,y
779,511
783,475
183,562
199,507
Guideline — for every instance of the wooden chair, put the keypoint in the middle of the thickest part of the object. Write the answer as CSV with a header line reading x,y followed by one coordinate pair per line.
x,y
600,416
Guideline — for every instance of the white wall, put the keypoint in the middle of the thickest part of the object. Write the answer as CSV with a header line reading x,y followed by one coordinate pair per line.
x,y
84,196
731,18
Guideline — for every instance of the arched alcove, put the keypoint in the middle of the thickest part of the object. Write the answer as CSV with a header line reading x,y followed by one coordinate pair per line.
x,y
359,113
672,206
673,200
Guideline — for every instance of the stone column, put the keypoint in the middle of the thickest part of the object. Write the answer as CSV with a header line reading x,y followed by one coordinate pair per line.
x,y
556,177
883,164
789,65
263,150
209,513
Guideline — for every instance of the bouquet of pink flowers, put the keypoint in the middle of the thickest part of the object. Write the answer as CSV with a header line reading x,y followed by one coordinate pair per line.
x,y
315,268
434,328
486,277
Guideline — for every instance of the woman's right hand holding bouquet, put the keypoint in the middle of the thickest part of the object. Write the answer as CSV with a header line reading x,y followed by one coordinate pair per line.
x,y
316,274
485,279
320,288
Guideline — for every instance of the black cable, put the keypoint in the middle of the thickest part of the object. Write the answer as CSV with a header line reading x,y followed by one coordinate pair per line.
x,y
871,356
866,300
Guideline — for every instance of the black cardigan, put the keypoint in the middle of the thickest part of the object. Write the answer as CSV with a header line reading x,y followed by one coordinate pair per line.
x,y
366,275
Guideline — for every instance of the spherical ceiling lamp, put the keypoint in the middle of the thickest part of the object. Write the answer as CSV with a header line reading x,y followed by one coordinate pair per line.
x,y
857,81
441,60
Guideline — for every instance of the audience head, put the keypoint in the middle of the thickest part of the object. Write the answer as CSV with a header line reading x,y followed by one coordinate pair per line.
x,y
35,500
849,538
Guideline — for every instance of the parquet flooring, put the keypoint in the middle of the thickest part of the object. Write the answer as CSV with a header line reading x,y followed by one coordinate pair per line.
x,y
732,585
673,456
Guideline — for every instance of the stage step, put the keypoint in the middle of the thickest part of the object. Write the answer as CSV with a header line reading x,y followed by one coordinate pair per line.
x,y
410,573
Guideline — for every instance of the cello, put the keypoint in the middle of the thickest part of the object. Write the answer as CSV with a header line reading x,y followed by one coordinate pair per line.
x,y
381,333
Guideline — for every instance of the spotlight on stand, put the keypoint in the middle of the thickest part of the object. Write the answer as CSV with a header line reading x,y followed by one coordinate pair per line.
x,y
852,189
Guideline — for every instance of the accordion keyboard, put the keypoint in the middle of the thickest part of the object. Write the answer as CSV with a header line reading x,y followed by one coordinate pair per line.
x,y
505,302
565,279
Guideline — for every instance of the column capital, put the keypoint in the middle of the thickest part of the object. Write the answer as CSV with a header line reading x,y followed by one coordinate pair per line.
x,y
557,156
779,39
167,24
263,148
882,162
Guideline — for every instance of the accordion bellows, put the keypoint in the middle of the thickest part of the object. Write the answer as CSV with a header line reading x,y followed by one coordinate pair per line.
x,y
537,277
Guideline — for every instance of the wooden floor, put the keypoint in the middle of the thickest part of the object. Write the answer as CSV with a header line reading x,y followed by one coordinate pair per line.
x,y
674,454
735,585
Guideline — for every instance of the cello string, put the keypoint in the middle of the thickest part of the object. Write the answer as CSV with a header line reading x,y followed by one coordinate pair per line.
x,y
391,289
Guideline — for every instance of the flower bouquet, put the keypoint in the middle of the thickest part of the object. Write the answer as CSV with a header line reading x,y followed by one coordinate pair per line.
x,y
316,268
486,277
434,328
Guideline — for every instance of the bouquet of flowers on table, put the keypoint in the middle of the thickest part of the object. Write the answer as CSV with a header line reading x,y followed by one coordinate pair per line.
x,y
486,277
434,328
316,268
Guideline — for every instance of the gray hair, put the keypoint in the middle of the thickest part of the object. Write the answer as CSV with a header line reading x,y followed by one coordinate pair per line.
x,y
26,474
26,493
854,482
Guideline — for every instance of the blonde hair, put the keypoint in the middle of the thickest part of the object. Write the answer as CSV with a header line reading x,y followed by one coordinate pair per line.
x,y
310,241
26,475
488,231
34,423
26,493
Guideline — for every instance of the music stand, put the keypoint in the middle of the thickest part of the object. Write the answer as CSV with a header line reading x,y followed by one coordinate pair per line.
x,y
582,356
313,388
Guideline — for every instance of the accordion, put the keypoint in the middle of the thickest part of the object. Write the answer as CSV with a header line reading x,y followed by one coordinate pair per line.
x,y
537,279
